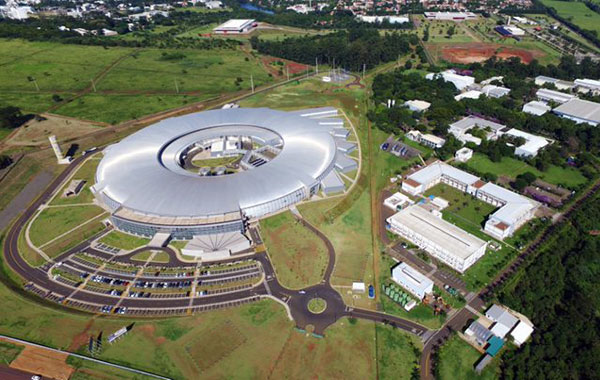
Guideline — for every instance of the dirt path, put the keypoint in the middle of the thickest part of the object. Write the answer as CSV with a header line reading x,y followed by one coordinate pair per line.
x,y
47,363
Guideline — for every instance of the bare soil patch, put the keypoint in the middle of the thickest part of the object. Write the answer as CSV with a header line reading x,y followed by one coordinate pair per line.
x,y
480,52
48,363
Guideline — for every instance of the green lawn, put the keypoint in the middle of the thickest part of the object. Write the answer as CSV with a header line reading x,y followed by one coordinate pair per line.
x,y
28,102
114,109
9,352
53,222
88,370
456,360
217,161
462,205
394,344
299,256
511,167
577,12
159,257
124,241
87,172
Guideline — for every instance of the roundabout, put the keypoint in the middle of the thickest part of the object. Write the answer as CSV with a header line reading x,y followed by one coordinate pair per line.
x,y
317,305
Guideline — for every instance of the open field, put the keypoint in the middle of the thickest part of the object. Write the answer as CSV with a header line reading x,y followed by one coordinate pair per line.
x,y
86,172
577,12
298,255
117,84
479,52
48,363
36,132
73,238
511,167
87,370
9,352
124,241
177,347
159,257
53,222
456,361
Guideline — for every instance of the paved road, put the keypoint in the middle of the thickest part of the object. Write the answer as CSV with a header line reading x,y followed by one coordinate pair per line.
x,y
7,373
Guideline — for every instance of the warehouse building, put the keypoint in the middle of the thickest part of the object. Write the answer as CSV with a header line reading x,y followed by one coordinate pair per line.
x,y
450,16
282,158
236,26
588,85
580,111
417,105
558,83
513,209
553,96
444,241
412,280
459,81
536,108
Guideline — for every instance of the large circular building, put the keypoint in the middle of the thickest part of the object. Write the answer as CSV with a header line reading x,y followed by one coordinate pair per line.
x,y
212,171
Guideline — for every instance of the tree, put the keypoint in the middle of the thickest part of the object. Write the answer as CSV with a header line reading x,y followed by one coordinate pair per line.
x,y
5,161
11,117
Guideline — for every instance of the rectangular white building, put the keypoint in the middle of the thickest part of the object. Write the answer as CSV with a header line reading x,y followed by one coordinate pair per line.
x,y
461,128
397,201
412,280
235,26
580,111
558,83
587,85
459,81
444,241
536,108
417,105
450,16
429,140
553,96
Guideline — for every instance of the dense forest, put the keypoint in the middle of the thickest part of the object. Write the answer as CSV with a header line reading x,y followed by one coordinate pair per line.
x,y
347,49
560,292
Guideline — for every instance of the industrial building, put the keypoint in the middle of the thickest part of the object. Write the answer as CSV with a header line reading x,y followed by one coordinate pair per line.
x,y
282,159
553,96
580,111
236,26
493,91
417,105
536,108
397,201
412,280
446,242
513,209
509,31
450,16
558,83
588,85
471,94
459,81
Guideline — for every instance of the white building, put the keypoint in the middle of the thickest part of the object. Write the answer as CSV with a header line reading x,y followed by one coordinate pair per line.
x,y
450,16
536,108
459,81
461,129
215,4
417,105
444,241
532,145
587,85
412,280
521,332
503,320
580,111
472,94
513,209
380,19
553,96
558,83
463,154
429,140
493,91
397,201
236,26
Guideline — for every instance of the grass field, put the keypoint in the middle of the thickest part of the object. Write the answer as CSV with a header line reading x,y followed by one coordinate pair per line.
x,y
456,360
52,222
124,241
461,205
298,255
9,352
159,257
511,167
129,83
86,172
577,12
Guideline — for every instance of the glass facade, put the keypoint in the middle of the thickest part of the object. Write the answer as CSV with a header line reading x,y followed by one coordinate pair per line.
x,y
177,232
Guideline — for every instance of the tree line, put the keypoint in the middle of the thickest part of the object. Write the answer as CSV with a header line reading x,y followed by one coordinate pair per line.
x,y
345,49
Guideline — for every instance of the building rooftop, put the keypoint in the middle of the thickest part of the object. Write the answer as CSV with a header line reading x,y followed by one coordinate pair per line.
x,y
412,276
469,122
495,345
234,24
581,109
533,143
444,234
555,96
